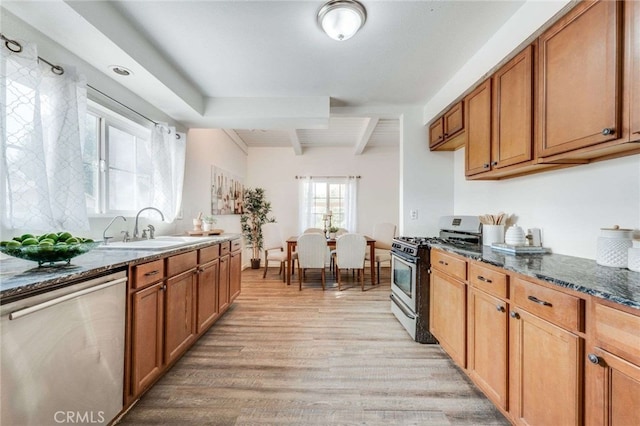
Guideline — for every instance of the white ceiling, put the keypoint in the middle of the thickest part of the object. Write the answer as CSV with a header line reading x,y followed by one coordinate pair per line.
x,y
265,71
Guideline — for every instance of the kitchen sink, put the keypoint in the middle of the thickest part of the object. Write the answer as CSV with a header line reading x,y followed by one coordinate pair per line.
x,y
158,243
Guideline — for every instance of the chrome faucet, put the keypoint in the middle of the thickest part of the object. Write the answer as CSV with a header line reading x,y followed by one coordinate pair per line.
x,y
135,228
104,233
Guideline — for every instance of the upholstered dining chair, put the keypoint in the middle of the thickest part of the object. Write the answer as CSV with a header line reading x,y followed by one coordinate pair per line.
x,y
383,233
274,248
350,252
312,254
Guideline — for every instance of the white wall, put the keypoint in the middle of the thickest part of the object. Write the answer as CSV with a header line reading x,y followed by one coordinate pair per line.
x,y
206,148
426,181
274,169
570,205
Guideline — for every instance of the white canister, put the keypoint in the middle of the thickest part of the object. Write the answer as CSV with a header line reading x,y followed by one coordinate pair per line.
x,y
515,236
492,234
613,247
633,258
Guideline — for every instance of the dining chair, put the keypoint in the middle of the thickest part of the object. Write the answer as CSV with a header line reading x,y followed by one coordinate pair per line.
x,y
383,233
312,254
274,248
314,231
350,253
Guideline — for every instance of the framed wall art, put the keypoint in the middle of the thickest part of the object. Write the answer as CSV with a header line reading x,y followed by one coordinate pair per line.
x,y
227,192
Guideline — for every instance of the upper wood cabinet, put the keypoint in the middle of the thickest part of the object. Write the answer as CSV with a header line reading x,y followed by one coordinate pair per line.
x,y
633,77
512,140
445,131
478,132
579,69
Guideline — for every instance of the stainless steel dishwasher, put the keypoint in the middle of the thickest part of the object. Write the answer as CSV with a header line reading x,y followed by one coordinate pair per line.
x,y
62,355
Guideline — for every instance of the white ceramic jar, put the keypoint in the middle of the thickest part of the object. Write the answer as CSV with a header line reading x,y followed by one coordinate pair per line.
x,y
515,236
633,257
613,247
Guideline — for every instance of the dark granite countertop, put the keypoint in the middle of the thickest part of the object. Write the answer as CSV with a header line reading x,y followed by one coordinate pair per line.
x,y
22,278
583,275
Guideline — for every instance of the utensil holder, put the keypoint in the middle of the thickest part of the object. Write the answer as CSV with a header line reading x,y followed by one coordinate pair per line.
x,y
492,234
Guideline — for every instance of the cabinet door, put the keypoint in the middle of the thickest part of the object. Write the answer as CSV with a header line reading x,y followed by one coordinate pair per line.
x,y
146,337
207,295
634,78
614,390
223,284
436,132
488,350
545,372
448,315
453,120
512,111
179,318
478,133
580,87
235,274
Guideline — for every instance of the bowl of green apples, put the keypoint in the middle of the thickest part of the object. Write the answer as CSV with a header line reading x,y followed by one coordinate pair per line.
x,y
47,248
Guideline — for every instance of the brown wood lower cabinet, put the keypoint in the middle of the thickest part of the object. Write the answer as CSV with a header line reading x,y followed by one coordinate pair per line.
x,y
488,348
171,302
179,315
448,315
545,372
146,336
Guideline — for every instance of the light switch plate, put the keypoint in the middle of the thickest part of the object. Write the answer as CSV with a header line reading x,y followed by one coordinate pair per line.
x,y
413,214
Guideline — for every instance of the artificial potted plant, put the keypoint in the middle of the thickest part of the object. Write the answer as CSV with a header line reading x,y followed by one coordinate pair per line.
x,y
333,230
255,211
208,221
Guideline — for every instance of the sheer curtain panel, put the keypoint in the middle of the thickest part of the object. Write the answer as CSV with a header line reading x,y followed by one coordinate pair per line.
x,y
42,125
167,157
319,196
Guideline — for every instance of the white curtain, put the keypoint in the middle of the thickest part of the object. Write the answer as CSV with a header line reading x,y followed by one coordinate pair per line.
x,y
42,127
309,208
167,158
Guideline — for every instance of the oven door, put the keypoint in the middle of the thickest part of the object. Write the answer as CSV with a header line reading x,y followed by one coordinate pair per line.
x,y
403,279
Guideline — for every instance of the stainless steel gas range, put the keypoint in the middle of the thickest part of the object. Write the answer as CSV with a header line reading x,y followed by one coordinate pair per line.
x,y
410,271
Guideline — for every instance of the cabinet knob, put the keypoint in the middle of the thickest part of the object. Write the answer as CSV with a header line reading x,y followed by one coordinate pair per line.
x,y
594,358
485,165
486,280
494,163
500,308
608,131
514,315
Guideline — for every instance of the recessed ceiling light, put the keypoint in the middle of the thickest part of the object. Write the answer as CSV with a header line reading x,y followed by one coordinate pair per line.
x,y
120,70
341,19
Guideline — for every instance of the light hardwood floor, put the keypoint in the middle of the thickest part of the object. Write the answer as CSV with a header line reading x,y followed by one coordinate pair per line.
x,y
281,356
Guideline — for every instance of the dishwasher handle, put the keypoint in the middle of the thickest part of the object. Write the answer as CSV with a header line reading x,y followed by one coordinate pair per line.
x,y
44,305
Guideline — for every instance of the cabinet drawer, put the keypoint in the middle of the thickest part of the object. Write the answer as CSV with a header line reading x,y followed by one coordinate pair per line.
x,y
225,248
208,254
181,262
148,273
559,308
236,245
490,281
448,264
615,329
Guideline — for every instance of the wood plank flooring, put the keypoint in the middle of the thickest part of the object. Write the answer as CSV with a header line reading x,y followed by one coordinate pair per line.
x,y
281,356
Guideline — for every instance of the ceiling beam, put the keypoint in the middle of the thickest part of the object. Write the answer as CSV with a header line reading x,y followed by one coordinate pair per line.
x,y
369,127
237,140
295,141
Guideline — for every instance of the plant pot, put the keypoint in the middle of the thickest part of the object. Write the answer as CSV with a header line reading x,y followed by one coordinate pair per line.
x,y
255,263
207,226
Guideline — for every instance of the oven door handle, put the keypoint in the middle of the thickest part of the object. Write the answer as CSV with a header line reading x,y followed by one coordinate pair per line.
x,y
402,308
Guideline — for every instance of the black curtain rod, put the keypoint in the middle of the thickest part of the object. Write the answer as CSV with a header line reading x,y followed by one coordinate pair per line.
x,y
16,47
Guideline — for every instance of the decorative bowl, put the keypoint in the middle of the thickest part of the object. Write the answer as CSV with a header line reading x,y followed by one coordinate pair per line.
x,y
50,254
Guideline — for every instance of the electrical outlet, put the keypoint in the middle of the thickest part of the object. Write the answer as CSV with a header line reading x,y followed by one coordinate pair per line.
x,y
413,214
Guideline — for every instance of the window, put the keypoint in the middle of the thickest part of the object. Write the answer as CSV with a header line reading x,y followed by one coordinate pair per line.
x,y
319,197
117,163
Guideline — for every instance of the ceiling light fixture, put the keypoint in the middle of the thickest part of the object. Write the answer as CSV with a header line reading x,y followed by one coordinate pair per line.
x,y
120,70
341,19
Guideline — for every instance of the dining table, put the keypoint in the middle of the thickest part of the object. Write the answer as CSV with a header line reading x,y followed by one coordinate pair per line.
x,y
331,242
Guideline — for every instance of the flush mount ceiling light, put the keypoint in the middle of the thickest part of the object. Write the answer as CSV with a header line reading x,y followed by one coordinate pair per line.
x,y
120,70
341,19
